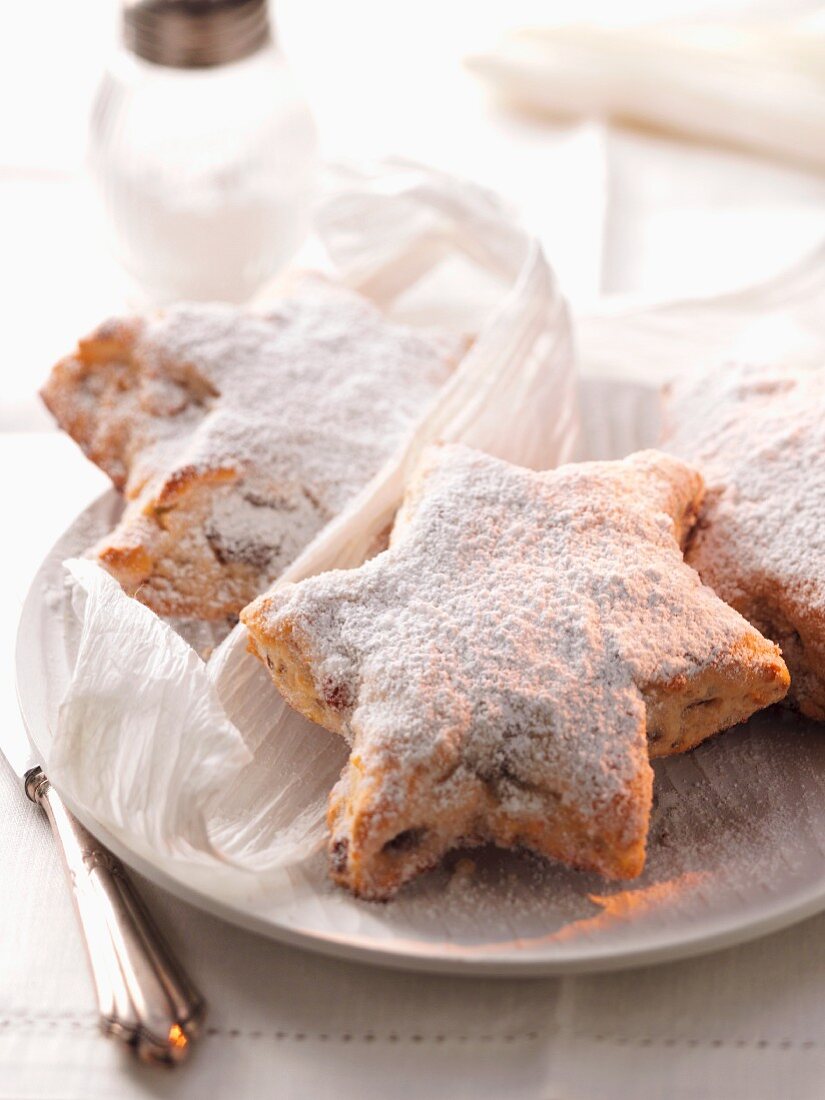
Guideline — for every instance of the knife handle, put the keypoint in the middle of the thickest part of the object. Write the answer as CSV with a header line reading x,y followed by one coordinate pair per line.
x,y
145,999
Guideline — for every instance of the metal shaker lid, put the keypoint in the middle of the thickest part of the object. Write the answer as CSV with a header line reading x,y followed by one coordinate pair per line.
x,y
195,34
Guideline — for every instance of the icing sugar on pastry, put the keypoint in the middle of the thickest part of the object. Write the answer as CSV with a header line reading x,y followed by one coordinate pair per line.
x,y
499,669
757,433
236,436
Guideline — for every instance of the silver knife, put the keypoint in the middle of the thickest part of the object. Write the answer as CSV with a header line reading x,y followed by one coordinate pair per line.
x,y
145,999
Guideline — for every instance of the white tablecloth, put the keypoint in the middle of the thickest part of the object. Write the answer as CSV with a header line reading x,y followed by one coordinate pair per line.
x,y
744,1023
618,213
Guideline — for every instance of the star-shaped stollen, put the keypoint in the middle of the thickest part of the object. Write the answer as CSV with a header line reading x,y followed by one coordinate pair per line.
x,y
502,670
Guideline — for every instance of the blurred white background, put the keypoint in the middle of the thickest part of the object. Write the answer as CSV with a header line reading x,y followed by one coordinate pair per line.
x,y
619,211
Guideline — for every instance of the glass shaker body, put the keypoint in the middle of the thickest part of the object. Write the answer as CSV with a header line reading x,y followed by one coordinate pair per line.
x,y
205,174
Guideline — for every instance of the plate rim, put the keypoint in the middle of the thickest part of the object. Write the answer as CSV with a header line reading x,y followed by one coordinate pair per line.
x,y
711,935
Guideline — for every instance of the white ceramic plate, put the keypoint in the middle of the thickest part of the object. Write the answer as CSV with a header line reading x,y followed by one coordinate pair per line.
x,y
737,839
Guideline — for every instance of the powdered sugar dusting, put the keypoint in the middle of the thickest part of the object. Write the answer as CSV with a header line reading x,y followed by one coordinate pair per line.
x,y
509,639
757,433
738,818
311,391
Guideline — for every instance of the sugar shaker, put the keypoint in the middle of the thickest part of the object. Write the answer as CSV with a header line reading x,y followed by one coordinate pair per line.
x,y
203,149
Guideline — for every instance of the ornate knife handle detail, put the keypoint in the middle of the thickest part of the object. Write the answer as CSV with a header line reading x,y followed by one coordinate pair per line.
x,y
145,999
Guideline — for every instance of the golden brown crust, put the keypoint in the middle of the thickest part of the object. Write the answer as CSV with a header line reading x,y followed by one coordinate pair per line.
x,y
682,713
104,356
287,658
372,854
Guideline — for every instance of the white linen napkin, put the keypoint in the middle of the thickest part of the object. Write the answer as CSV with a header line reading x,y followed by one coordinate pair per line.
x,y
756,84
